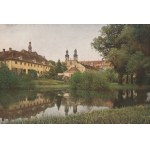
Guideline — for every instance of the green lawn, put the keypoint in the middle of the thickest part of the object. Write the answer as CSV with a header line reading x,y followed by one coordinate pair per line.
x,y
46,84
126,115
116,86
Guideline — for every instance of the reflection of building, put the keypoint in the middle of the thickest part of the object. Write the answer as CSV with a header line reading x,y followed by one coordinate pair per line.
x,y
25,108
24,61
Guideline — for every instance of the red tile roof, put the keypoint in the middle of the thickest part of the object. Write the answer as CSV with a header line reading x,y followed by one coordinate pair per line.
x,y
24,56
73,70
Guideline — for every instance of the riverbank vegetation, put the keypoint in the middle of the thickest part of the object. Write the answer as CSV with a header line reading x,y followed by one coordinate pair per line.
x,y
126,115
48,84
11,80
89,81
102,80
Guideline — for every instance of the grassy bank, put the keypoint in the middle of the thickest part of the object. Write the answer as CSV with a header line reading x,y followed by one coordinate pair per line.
x,y
128,115
116,86
48,84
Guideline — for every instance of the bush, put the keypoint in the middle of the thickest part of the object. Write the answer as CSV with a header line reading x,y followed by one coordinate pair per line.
x,y
89,81
32,74
10,79
111,75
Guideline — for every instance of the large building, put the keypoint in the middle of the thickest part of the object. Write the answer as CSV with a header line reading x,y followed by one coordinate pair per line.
x,y
24,61
74,66
98,64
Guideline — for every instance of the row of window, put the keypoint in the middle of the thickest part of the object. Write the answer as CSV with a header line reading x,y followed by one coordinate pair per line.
x,y
29,64
23,70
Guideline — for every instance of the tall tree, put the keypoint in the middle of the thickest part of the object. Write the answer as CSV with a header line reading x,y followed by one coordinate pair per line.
x,y
108,39
119,59
138,37
109,44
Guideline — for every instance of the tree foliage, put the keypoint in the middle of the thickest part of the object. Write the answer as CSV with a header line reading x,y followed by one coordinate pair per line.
x,y
7,78
57,67
89,81
127,47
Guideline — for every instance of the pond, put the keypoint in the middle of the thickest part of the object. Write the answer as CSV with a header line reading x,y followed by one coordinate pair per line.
x,y
17,105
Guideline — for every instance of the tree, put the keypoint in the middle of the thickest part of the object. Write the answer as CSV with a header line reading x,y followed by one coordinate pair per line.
x,y
110,44
54,70
127,47
51,74
119,60
32,74
138,37
108,39
60,67
8,79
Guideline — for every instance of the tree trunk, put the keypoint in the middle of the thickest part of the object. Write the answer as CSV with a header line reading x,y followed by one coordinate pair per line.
x,y
127,79
120,79
131,78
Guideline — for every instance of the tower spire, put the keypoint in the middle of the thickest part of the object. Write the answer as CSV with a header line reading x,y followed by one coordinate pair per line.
x,y
67,56
75,56
30,47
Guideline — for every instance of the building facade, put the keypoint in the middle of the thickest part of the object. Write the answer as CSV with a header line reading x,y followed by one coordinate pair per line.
x,y
24,61
74,66
98,64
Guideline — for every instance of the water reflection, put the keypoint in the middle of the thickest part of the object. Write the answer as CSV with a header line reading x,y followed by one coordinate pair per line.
x,y
29,104
130,98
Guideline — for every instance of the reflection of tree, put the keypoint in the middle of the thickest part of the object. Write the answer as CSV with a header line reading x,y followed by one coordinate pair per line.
x,y
49,95
128,98
8,98
123,99
90,95
141,96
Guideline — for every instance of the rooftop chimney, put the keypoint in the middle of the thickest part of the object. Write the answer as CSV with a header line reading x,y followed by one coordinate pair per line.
x,y
4,50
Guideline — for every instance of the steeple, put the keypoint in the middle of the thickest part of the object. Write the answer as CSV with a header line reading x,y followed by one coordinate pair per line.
x,y
67,56
75,56
30,47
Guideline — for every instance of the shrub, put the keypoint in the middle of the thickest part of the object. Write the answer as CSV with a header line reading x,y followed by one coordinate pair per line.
x,y
111,75
32,74
8,79
89,81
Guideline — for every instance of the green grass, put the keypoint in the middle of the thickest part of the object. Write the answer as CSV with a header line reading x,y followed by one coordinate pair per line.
x,y
116,86
47,84
126,115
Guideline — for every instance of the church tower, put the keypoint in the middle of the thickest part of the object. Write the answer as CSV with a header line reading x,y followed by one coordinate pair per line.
x,y
30,47
67,56
75,56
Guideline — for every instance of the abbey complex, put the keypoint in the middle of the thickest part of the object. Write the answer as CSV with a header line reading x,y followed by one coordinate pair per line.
x,y
75,65
26,60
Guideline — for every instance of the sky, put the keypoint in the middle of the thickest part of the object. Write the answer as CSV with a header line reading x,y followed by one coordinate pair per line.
x,y
52,40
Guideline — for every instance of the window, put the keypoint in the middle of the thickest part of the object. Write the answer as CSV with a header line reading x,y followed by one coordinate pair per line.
x,y
20,63
15,62
25,64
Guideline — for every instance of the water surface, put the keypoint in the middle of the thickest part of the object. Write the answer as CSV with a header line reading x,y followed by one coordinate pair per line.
x,y
24,104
